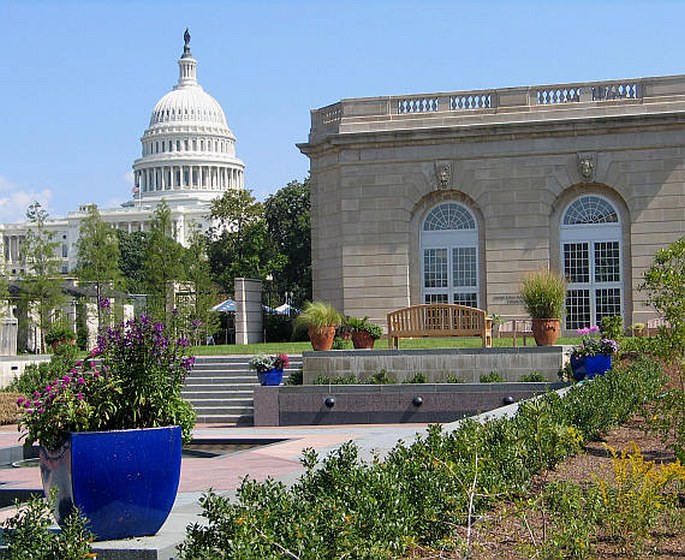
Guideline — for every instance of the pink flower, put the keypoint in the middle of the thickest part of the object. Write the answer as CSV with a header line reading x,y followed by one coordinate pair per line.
x,y
79,396
81,381
593,329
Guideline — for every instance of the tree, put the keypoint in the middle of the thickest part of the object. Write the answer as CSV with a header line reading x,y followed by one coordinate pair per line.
x,y
41,282
287,214
237,240
98,256
204,294
132,251
162,266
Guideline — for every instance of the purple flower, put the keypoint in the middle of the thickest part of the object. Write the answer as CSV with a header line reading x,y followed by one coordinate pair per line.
x,y
81,381
104,303
20,401
79,396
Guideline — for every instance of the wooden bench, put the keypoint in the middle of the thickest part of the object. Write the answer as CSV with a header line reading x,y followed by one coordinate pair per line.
x,y
515,328
438,320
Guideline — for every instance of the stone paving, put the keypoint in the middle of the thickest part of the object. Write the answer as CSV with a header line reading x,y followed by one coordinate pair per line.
x,y
224,473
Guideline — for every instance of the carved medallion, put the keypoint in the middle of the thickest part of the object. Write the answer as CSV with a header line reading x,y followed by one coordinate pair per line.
x,y
586,166
443,174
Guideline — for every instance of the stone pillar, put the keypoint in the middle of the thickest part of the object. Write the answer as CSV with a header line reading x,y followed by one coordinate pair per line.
x,y
8,336
248,311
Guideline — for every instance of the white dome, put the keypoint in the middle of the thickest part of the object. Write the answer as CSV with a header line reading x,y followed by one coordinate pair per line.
x,y
191,105
188,151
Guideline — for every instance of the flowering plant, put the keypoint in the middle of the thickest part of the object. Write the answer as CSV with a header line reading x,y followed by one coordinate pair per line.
x,y
133,379
263,363
593,346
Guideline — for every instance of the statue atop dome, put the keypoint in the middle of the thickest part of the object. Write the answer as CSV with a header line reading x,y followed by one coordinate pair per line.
x,y
186,43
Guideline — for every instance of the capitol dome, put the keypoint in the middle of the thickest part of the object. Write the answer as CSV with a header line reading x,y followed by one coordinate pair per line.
x,y
188,150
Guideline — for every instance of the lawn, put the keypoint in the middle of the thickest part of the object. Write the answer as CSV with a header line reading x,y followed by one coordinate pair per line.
x,y
405,344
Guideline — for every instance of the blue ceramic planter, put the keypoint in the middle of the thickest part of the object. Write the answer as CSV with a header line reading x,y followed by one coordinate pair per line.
x,y
271,377
123,481
588,367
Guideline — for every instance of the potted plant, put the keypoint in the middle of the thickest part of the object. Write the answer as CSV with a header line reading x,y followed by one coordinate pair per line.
x,y
321,320
544,295
269,368
593,356
110,432
364,333
59,333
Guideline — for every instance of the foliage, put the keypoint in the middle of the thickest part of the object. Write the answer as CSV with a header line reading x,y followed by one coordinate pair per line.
x,y
544,294
287,214
41,283
343,507
163,265
295,378
418,377
492,377
533,377
27,534
318,314
98,256
339,380
638,498
611,326
381,377
594,346
59,332
136,384
132,252
196,308
36,376
278,328
364,325
237,242
263,363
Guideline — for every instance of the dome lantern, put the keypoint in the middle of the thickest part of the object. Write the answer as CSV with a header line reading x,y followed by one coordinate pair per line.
x,y
187,65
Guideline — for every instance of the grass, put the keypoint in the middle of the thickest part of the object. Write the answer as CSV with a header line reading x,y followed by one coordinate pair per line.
x,y
405,344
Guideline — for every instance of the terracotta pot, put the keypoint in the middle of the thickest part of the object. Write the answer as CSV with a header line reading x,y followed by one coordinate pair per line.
x,y
546,331
321,337
362,339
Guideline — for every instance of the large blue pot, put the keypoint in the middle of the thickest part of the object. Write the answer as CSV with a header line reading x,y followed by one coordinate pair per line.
x,y
272,377
588,367
123,481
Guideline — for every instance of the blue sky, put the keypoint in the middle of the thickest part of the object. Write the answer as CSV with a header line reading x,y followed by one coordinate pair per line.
x,y
78,80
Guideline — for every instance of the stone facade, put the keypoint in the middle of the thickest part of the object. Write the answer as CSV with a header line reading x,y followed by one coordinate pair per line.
x,y
520,161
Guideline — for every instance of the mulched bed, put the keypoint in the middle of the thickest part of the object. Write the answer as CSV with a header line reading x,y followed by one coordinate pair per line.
x,y
501,533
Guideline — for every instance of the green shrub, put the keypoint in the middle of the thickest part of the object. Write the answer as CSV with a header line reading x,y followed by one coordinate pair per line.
x,y
36,376
492,377
533,377
612,327
418,377
343,507
27,534
381,377
339,380
295,378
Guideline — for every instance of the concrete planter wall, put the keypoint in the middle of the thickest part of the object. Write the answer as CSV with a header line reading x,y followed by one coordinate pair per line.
x,y
387,404
466,363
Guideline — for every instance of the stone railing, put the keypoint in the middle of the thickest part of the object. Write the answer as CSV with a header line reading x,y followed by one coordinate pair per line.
x,y
507,100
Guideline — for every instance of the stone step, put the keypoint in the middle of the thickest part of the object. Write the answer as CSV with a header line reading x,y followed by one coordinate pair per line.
x,y
220,388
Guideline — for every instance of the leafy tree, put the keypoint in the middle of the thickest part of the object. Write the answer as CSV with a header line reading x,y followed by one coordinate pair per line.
x,y
237,245
132,251
204,293
162,266
41,282
287,214
98,256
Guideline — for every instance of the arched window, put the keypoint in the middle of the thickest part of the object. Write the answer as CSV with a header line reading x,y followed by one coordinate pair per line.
x,y
591,255
449,248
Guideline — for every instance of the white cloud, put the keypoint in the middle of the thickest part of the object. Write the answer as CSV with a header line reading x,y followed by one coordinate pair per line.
x,y
14,201
128,177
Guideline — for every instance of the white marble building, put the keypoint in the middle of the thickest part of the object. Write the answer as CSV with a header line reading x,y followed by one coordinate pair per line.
x,y
188,158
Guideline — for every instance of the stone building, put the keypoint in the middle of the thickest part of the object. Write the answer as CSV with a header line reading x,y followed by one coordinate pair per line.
x,y
453,197
188,158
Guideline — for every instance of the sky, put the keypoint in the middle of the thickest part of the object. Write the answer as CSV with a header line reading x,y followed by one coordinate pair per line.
x,y
79,79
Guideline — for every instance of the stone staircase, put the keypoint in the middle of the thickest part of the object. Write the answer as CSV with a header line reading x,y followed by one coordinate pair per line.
x,y
220,388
